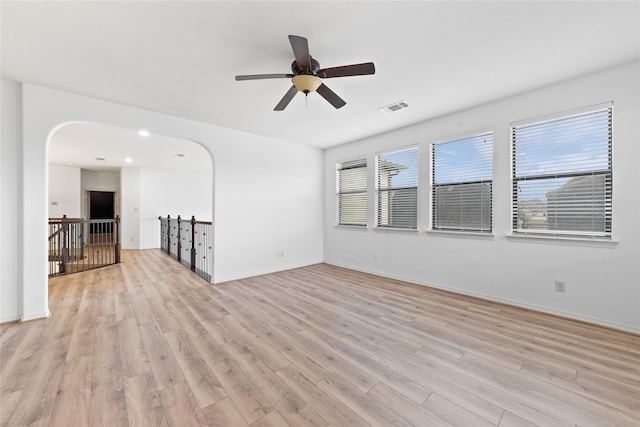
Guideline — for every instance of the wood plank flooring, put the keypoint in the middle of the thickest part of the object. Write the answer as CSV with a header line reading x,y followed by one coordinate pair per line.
x,y
148,343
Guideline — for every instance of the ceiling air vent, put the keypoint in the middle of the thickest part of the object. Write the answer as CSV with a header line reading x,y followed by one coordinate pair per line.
x,y
396,106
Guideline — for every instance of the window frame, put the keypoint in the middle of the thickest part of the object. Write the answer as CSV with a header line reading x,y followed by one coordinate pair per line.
x,y
605,235
365,191
378,191
433,186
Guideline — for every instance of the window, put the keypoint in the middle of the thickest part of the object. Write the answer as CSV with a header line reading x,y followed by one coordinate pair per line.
x,y
562,175
461,184
352,192
397,188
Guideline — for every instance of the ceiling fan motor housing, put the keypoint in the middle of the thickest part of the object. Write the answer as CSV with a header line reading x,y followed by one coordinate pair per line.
x,y
315,66
305,79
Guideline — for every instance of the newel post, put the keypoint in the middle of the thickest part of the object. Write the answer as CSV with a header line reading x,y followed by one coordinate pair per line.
x,y
117,221
64,258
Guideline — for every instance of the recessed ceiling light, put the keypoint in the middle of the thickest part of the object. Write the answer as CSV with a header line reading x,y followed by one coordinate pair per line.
x,y
128,159
179,155
101,159
143,132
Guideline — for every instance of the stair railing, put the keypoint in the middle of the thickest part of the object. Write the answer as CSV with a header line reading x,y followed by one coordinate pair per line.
x,y
77,244
189,242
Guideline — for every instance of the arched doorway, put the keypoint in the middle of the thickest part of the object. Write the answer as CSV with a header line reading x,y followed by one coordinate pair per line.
x,y
96,170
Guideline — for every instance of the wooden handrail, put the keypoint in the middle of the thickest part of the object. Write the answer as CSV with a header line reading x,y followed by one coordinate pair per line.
x,y
72,247
55,233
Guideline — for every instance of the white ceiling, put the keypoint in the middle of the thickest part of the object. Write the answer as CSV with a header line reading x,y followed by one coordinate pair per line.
x,y
180,58
81,144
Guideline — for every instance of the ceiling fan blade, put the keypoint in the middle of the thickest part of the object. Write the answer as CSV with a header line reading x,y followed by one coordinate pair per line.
x,y
347,70
286,99
264,76
330,96
300,47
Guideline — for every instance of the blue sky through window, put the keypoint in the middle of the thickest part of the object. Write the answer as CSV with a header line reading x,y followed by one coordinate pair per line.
x,y
467,159
407,175
571,144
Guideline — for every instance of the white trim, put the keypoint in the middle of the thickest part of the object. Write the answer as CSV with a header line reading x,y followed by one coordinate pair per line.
x,y
351,159
513,303
563,240
394,150
462,137
563,114
461,234
449,137
351,227
27,317
376,181
336,177
570,235
399,229
432,185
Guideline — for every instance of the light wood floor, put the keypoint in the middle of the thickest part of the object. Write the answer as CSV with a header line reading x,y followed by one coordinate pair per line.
x,y
147,342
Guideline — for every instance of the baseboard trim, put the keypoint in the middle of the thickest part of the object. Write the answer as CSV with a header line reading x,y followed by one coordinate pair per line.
x,y
33,317
264,272
539,309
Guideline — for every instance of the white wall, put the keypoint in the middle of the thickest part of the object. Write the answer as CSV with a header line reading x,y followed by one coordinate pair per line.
x,y
603,280
172,192
65,194
267,193
130,209
145,194
100,180
10,202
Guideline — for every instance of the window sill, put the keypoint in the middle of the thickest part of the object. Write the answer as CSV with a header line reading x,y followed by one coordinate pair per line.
x,y
563,240
351,227
394,229
461,234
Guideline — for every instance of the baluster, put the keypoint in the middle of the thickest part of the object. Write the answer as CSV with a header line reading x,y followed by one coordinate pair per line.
x,y
169,234
193,243
179,246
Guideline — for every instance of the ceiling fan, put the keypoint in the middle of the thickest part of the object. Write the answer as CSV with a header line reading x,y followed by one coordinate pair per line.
x,y
306,75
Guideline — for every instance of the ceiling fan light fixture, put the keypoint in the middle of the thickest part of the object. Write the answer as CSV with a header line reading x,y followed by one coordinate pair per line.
x,y
306,75
306,83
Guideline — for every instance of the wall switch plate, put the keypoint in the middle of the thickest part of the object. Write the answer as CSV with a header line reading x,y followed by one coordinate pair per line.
x,y
560,286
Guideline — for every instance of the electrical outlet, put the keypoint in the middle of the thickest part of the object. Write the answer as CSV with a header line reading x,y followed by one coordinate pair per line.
x,y
376,256
560,286
279,254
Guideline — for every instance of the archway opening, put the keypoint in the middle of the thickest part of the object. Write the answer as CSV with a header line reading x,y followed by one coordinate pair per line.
x,y
136,177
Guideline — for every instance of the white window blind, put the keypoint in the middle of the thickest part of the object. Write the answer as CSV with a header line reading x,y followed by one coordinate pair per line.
x,y
352,192
562,174
397,189
462,184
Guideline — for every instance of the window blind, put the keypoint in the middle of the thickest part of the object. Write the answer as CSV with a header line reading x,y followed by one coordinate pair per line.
x,y
397,189
462,173
562,175
352,192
